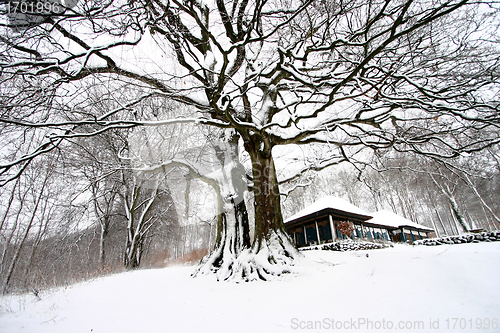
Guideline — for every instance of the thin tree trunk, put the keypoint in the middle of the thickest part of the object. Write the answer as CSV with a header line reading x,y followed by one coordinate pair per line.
x,y
453,204
102,239
25,236
9,239
441,221
44,216
453,222
458,215
9,204
430,203
480,197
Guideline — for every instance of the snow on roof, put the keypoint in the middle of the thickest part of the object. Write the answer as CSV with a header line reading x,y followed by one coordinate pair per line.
x,y
389,219
328,202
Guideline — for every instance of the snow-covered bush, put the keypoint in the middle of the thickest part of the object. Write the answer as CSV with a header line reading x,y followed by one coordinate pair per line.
x,y
490,236
349,245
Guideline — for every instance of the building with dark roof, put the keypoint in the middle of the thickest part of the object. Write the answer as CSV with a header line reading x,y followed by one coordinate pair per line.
x,y
324,221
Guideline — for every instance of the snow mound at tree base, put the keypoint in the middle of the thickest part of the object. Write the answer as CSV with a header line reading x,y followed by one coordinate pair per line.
x,y
491,236
273,257
349,245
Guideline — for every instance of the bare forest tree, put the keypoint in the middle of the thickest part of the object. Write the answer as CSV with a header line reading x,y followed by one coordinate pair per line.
x,y
141,196
28,219
354,77
98,164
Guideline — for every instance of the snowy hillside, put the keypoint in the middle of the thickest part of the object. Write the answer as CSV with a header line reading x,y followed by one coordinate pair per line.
x,y
418,288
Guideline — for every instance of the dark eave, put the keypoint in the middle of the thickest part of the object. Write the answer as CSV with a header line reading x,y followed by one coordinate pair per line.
x,y
376,225
328,211
424,228
356,218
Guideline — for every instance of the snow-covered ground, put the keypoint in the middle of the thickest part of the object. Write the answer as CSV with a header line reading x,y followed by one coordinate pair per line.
x,y
410,289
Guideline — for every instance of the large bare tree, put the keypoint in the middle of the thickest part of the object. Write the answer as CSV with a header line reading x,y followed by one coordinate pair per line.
x,y
414,76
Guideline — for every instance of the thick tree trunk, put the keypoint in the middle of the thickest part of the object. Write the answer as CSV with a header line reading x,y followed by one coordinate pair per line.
x,y
272,252
233,237
268,217
233,231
